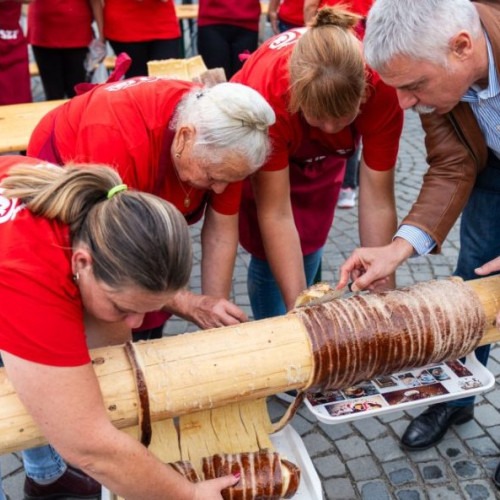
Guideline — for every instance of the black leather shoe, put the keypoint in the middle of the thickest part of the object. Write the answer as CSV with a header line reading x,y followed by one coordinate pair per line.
x,y
73,483
496,477
428,429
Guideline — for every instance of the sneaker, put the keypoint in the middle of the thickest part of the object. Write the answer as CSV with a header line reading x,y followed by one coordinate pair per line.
x,y
347,198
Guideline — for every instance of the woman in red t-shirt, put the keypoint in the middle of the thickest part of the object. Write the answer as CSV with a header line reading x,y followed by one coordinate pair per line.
x,y
63,257
60,32
187,144
145,29
325,101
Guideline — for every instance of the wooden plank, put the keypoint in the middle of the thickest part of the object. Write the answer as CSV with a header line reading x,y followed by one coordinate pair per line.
x,y
17,122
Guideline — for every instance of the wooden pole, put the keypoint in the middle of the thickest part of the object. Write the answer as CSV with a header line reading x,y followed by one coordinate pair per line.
x,y
203,370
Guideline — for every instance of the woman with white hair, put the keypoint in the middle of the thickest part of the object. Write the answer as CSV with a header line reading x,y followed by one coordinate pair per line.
x,y
187,144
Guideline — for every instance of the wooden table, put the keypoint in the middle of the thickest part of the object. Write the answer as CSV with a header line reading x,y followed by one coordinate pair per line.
x,y
17,122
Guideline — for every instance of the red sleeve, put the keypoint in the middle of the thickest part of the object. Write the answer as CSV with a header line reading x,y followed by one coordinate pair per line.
x,y
380,124
41,314
228,202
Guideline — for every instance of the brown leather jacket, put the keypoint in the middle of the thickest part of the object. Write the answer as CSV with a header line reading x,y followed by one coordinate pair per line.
x,y
456,152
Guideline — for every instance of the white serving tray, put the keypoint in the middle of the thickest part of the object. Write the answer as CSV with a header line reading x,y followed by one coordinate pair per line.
x,y
290,445
401,391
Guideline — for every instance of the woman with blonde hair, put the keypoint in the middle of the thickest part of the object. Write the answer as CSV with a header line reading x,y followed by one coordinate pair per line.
x,y
326,100
78,253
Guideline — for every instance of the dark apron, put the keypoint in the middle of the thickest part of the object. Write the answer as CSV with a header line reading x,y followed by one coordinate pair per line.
x,y
316,175
15,82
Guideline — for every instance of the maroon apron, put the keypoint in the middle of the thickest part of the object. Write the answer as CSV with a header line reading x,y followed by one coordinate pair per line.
x,y
316,176
15,82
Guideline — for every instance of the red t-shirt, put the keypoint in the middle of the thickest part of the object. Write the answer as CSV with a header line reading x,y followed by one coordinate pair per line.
x,y
41,313
60,23
140,20
123,125
379,124
292,12
243,13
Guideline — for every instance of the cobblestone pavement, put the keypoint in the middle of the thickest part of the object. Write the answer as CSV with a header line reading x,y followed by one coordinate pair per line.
x,y
363,460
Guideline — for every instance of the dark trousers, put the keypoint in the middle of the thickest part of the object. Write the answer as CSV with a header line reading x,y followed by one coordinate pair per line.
x,y
221,44
60,70
142,52
480,235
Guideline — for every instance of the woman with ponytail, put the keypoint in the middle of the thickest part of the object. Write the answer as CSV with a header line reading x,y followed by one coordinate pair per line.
x,y
188,144
77,243
326,100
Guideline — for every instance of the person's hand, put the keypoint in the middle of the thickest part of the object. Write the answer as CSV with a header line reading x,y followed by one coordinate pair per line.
x,y
370,268
273,19
488,267
211,490
211,312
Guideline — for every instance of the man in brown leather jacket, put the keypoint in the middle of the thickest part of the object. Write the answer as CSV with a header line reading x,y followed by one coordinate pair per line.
x,y
442,56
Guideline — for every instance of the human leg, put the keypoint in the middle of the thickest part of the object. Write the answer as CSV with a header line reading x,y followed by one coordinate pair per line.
x,y
165,49
265,296
243,41
479,243
214,47
73,68
138,52
50,68
347,195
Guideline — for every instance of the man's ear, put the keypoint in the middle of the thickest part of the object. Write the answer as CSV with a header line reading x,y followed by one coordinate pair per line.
x,y
461,45
184,138
81,260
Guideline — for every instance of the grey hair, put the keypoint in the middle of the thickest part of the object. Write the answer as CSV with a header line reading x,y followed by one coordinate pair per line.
x,y
228,116
419,29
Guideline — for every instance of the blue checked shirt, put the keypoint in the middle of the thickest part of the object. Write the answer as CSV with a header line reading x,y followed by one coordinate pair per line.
x,y
485,105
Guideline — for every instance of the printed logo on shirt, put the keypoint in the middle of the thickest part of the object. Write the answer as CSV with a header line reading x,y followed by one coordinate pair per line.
x,y
286,38
9,34
9,208
315,159
131,82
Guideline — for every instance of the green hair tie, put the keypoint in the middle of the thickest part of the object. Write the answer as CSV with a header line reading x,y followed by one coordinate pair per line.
x,y
116,189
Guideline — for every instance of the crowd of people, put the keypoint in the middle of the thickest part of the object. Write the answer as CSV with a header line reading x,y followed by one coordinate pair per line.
x,y
260,159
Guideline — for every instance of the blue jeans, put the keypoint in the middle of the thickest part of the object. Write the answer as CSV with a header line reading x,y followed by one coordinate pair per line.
x,y
480,235
264,293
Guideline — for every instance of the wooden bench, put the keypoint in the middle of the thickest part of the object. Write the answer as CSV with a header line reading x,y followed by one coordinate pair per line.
x,y
17,122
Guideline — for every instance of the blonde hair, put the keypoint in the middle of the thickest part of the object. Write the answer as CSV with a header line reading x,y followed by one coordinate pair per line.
x,y
135,238
327,71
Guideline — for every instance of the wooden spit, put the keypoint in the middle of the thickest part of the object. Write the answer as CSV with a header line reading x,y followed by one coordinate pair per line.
x,y
205,369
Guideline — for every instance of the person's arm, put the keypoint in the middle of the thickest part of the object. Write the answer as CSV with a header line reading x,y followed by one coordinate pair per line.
x,y
310,10
377,208
279,233
96,6
66,403
219,241
272,13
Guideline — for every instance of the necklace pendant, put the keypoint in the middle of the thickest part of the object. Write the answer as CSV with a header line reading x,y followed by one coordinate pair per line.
x,y
187,201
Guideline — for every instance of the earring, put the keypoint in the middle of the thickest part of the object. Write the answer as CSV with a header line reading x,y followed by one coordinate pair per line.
x,y
76,277
177,155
